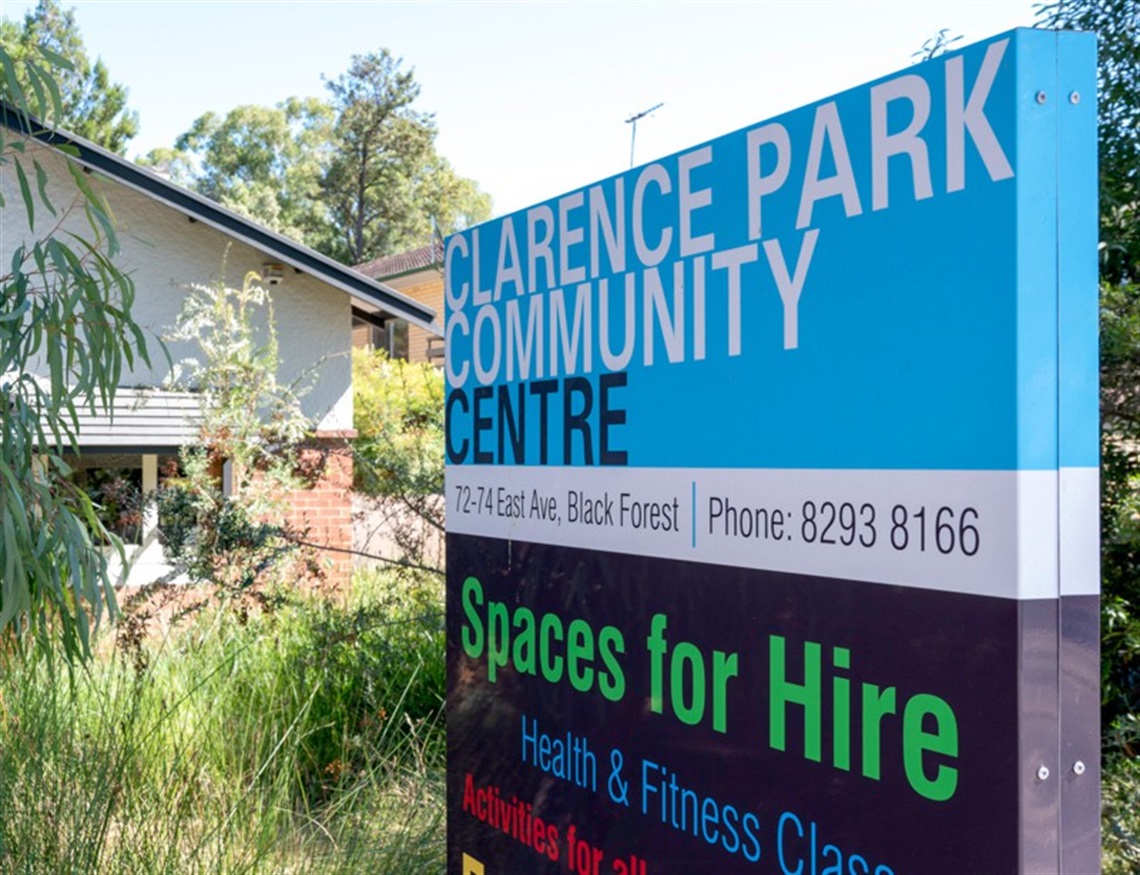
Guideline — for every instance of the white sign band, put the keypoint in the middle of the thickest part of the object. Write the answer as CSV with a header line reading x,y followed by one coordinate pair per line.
x,y
990,533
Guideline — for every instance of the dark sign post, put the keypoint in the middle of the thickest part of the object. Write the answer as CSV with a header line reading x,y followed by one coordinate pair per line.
x,y
772,495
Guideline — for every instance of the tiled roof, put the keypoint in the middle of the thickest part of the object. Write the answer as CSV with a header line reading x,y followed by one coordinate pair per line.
x,y
401,263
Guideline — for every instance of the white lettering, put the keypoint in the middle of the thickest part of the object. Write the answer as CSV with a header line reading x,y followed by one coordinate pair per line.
x,y
732,259
571,341
456,323
454,301
485,316
509,268
791,288
905,142
828,127
610,229
693,200
539,248
672,325
759,184
650,256
617,362
527,347
963,115
480,296
567,238
699,308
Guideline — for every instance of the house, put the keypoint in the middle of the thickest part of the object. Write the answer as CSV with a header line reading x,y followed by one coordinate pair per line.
x,y
171,238
417,273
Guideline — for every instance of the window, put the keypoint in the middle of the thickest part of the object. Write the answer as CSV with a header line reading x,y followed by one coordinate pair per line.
x,y
116,483
392,338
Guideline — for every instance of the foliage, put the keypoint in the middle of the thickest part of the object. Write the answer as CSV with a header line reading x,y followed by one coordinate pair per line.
x,y
450,201
1120,500
1117,25
91,105
250,423
261,162
355,176
119,502
358,666
399,419
937,45
307,739
381,143
398,416
173,164
1120,358
1120,816
66,341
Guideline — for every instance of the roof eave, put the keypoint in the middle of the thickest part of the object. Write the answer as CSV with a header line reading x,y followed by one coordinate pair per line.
x,y
374,295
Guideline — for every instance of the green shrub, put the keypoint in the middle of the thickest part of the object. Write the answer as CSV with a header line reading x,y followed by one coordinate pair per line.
x,y
398,459
1120,813
398,416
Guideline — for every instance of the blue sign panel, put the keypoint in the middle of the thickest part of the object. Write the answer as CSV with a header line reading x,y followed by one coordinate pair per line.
x,y
762,460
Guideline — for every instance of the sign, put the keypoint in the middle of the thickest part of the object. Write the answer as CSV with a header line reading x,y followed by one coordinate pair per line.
x,y
772,494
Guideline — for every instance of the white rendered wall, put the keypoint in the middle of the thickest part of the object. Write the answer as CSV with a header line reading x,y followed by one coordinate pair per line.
x,y
164,251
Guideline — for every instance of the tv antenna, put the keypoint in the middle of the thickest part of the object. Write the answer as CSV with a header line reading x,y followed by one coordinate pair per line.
x,y
632,120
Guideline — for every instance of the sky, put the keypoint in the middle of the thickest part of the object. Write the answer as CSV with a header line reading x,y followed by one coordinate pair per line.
x,y
530,98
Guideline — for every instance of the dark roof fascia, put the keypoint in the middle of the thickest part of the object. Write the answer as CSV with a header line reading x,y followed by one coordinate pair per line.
x,y
370,318
206,211
87,450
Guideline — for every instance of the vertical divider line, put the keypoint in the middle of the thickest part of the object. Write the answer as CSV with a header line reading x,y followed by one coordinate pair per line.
x,y
694,514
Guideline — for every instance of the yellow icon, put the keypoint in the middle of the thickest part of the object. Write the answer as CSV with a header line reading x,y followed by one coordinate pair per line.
x,y
471,866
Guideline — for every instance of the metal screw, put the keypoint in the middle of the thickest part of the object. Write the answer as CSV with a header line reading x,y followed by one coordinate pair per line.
x,y
1042,773
1040,96
1078,768
1075,98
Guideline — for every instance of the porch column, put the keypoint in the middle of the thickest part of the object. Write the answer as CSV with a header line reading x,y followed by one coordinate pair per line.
x,y
150,510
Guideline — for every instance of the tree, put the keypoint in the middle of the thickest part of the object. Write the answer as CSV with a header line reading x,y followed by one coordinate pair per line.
x,y
175,164
91,105
382,149
1117,24
451,201
262,162
355,177
64,310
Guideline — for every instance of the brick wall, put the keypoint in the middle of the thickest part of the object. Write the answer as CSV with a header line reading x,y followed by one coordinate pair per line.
x,y
429,292
324,509
361,334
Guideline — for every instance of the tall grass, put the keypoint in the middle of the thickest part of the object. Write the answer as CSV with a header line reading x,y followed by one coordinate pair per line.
x,y
301,737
